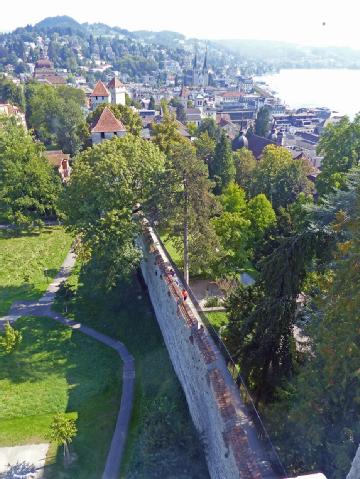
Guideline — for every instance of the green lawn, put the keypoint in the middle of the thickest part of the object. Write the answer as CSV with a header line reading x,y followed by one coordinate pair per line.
x,y
217,319
23,260
173,251
162,440
57,369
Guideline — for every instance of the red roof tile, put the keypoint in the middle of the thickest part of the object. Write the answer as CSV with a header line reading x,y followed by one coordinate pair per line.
x,y
115,83
100,90
107,123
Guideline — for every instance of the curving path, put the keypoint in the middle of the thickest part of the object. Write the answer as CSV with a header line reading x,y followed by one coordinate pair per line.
x,y
43,307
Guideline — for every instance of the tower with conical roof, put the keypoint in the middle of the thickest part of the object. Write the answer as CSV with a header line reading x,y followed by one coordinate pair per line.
x,y
117,92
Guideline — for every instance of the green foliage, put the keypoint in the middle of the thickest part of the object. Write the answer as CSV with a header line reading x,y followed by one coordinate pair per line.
x,y
245,165
29,187
62,430
280,177
205,147
124,113
208,125
265,346
317,414
222,166
262,122
106,183
183,204
10,339
239,225
166,133
151,103
11,93
340,146
56,116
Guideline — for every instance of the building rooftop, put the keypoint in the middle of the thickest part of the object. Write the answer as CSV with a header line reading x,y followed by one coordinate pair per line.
x,y
100,90
107,123
114,83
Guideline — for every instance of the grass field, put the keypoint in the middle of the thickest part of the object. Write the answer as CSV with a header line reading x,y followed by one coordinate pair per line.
x,y
57,369
23,261
162,441
217,319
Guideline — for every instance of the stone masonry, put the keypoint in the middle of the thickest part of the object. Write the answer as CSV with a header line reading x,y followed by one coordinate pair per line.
x,y
231,445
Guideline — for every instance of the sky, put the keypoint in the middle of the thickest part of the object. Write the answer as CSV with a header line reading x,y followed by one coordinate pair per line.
x,y
312,22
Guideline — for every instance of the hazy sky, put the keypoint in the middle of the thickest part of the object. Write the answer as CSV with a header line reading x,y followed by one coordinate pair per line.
x,y
299,21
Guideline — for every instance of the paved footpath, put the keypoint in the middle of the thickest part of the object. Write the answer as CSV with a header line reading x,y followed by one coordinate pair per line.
x,y
43,307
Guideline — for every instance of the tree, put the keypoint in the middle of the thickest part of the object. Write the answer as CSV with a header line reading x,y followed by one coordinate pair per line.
x,y
183,204
240,224
262,122
10,339
166,133
317,413
11,93
125,114
62,431
209,125
205,147
340,146
56,115
245,165
29,187
222,166
266,348
180,113
280,177
106,183
151,103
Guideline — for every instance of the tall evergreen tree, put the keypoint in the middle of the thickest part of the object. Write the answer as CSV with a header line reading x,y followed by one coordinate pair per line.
x,y
222,166
262,122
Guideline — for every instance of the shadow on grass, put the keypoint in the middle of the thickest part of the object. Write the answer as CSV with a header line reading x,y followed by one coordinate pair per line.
x,y
162,440
57,369
10,294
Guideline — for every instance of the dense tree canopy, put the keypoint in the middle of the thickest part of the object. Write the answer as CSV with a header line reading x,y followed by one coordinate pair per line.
x,y
340,146
11,93
221,165
317,415
56,115
29,187
239,226
280,177
106,183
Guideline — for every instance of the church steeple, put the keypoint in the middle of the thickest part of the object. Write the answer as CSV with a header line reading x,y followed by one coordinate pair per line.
x,y
195,59
205,61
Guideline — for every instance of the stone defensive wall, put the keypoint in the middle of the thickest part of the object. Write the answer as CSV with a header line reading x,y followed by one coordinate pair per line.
x,y
231,444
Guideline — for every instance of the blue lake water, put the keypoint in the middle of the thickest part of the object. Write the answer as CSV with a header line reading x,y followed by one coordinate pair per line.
x,y
338,90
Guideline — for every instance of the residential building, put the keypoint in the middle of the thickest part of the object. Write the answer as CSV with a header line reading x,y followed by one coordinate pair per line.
x,y
11,110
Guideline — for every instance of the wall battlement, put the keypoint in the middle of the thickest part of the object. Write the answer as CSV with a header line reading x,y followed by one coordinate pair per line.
x,y
231,445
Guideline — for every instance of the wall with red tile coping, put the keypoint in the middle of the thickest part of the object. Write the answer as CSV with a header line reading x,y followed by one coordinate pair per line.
x,y
211,395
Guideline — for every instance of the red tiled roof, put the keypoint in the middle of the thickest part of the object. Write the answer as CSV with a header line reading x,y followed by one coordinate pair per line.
x,y
55,157
115,83
100,90
108,123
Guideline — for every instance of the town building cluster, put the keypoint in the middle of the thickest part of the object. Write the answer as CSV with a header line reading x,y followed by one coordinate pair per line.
x,y
233,102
